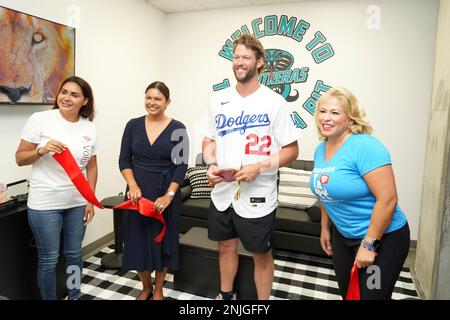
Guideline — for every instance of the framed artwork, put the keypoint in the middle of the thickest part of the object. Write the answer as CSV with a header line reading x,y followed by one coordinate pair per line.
x,y
36,55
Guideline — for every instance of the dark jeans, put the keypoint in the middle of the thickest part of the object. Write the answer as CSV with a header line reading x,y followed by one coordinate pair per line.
x,y
373,285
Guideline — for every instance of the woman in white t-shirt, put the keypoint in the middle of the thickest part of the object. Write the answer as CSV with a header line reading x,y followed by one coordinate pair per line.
x,y
54,203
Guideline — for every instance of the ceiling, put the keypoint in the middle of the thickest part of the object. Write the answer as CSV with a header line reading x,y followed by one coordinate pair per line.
x,y
172,6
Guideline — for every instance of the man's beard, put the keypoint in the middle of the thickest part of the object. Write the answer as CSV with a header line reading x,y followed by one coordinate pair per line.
x,y
250,73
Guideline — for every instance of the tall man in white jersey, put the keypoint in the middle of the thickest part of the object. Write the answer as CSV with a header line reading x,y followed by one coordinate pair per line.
x,y
249,129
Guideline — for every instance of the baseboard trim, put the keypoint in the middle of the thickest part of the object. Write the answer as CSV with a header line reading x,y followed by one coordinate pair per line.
x,y
97,245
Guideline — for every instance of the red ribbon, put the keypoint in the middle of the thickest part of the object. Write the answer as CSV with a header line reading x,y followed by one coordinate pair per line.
x,y
146,208
353,292
67,161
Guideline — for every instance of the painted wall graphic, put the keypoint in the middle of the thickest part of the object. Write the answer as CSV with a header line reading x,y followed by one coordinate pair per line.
x,y
286,70
35,56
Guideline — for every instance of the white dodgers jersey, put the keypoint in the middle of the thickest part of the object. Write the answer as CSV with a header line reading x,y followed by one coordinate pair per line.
x,y
248,130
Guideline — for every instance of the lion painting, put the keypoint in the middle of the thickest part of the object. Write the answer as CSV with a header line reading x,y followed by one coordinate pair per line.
x,y
36,55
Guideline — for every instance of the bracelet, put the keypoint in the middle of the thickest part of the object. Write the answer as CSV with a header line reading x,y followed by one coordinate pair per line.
x,y
368,246
37,151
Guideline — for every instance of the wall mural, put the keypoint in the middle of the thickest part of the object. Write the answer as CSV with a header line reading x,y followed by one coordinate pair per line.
x,y
284,73
35,56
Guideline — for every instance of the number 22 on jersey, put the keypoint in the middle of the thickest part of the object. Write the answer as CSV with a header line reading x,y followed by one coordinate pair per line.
x,y
258,146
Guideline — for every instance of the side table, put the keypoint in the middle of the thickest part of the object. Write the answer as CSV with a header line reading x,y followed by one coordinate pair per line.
x,y
113,260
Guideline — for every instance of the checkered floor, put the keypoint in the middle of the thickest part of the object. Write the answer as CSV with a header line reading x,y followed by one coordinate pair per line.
x,y
297,277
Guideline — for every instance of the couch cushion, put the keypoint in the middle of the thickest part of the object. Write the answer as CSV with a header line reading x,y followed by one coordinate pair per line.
x,y
314,212
287,219
301,164
198,182
199,161
294,190
185,192
295,221
197,208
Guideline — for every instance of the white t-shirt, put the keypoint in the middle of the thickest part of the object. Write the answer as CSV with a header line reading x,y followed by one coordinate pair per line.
x,y
50,186
248,130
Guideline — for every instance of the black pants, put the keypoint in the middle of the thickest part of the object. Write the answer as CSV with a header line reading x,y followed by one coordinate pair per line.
x,y
375,283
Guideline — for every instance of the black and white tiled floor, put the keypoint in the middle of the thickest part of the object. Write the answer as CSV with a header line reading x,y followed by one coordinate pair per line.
x,y
297,277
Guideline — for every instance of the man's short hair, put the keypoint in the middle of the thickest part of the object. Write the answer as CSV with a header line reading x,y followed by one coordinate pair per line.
x,y
253,43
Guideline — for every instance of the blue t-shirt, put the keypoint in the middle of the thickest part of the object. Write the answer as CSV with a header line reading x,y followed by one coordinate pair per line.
x,y
340,186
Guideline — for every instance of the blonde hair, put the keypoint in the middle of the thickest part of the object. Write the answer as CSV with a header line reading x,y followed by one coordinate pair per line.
x,y
253,43
350,106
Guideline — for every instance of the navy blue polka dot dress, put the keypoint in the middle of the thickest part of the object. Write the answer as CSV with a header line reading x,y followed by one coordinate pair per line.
x,y
154,170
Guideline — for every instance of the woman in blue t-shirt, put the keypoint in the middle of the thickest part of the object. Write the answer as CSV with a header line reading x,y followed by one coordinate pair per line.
x,y
353,178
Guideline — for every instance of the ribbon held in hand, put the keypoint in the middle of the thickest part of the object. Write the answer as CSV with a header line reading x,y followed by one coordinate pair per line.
x,y
67,161
146,208
353,292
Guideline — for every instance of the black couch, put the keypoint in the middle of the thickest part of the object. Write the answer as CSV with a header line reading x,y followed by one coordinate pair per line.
x,y
295,230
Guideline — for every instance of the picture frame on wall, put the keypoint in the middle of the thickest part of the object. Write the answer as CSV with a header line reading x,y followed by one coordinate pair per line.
x,y
36,55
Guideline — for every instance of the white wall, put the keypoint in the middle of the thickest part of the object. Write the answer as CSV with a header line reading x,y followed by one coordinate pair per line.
x,y
119,52
122,45
389,69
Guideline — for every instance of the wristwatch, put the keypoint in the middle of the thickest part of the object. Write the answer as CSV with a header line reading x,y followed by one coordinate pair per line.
x,y
171,194
371,244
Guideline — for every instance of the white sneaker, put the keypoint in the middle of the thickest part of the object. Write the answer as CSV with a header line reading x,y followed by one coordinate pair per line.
x,y
220,297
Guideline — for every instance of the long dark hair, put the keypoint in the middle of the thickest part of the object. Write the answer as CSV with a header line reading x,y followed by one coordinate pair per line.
x,y
86,111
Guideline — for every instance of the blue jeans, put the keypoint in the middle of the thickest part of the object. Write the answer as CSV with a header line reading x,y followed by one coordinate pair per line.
x,y
46,226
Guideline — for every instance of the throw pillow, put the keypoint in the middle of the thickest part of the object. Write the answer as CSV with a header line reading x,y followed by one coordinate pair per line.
x,y
199,183
293,189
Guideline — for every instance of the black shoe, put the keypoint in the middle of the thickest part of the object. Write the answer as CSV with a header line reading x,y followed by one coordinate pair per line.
x,y
220,297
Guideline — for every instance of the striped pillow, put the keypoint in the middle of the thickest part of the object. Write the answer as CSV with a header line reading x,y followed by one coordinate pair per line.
x,y
293,190
199,183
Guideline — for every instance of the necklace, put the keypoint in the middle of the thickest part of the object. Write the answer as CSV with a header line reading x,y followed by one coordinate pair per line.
x,y
152,127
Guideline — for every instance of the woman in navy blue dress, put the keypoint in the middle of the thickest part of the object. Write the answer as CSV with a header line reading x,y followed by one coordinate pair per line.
x,y
153,160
